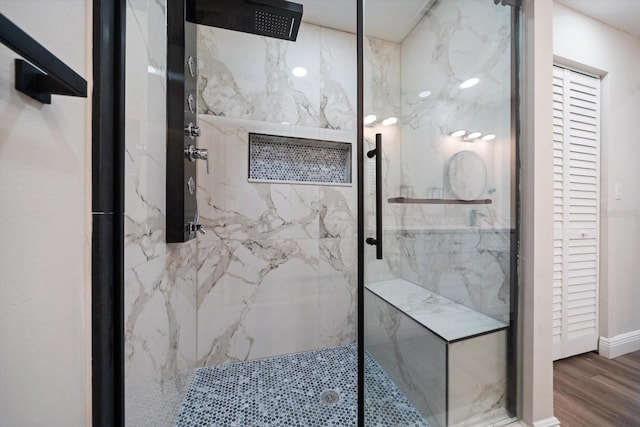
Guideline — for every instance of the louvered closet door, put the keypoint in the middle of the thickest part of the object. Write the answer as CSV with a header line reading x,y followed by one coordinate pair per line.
x,y
576,212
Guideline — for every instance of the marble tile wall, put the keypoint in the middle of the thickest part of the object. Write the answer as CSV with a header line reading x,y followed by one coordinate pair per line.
x,y
456,41
160,279
469,266
277,271
247,76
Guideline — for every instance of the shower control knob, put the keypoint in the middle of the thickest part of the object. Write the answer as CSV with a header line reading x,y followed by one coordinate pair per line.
x,y
192,227
191,130
192,154
191,65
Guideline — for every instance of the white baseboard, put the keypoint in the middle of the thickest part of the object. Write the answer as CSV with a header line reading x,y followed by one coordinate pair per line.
x,y
619,345
549,422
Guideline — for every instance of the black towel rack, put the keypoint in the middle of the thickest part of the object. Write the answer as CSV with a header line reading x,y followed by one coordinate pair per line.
x,y
56,78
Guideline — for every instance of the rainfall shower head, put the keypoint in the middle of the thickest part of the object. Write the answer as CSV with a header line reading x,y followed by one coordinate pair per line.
x,y
271,18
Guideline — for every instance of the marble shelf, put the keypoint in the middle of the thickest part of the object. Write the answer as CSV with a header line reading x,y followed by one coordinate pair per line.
x,y
410,200
447,319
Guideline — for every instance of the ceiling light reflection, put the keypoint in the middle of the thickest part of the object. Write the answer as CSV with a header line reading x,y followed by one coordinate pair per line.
x,y
469,83
371,118
390,121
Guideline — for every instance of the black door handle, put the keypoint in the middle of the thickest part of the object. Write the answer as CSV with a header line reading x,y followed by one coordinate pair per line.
x,y
377,152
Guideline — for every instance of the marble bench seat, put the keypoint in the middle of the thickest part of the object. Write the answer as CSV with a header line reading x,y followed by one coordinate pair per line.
x,y
448,359
447,319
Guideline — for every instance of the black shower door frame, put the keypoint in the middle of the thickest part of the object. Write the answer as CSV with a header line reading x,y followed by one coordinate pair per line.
x,y
107,261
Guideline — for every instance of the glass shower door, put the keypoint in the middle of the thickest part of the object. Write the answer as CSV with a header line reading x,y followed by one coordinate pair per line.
x,y
439,212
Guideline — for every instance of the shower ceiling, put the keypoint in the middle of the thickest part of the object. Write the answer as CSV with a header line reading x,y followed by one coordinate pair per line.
x,y
341,15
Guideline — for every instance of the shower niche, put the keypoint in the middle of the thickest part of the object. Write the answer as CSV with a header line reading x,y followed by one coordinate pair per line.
x,y
271,18
286,159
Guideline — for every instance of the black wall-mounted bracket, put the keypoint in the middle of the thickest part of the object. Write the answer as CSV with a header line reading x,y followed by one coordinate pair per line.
x,y
56,78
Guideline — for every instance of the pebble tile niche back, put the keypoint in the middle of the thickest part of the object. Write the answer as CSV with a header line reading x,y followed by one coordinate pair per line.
x,y
300,160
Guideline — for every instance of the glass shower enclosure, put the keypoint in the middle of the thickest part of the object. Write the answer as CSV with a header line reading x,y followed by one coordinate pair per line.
x,y
440,207
269,308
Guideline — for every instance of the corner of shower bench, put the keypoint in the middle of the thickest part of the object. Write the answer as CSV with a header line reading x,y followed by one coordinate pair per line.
x,y
448,359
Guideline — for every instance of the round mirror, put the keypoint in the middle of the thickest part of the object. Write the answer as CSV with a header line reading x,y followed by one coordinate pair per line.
x,y
467,175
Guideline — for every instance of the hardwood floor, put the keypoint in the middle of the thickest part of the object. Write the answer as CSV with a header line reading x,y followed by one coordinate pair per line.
x,y
592,391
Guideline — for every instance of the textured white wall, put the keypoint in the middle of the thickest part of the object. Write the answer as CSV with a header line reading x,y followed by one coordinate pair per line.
x,y
45,230
587,42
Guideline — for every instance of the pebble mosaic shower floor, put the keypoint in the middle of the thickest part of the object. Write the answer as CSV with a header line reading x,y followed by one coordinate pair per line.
x,y
286,391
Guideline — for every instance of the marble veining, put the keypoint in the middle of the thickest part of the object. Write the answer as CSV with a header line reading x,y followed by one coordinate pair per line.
x,y
447,319
160,279
470,266
278,257
249,77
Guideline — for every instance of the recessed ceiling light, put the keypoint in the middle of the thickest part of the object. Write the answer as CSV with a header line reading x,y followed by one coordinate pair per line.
x,y
424,93
469,83
474,135
390,121
299,72
370,119
285,123
458,133
488,137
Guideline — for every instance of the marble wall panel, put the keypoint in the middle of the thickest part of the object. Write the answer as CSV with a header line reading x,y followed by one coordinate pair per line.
x,y
276,271
160,315
452,43
145,130
263,302
337,292
160,279
469,266
249,77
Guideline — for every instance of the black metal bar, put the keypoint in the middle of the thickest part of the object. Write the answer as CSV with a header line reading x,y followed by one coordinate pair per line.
x,y
513,399
360,215
107,249
57,77
377,152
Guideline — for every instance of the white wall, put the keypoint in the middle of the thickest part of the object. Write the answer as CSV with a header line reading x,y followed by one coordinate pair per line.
x,y
536,246
615,54
45,230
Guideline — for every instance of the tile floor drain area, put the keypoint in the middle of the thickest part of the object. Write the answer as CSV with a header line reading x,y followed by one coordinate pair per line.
x,y
312,389
329,397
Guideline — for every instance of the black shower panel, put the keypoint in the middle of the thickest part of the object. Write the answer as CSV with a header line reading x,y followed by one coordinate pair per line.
x,y
182,129
271,18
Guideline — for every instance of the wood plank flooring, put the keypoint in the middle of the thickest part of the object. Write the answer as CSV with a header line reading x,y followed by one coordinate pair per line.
x,y
593,391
